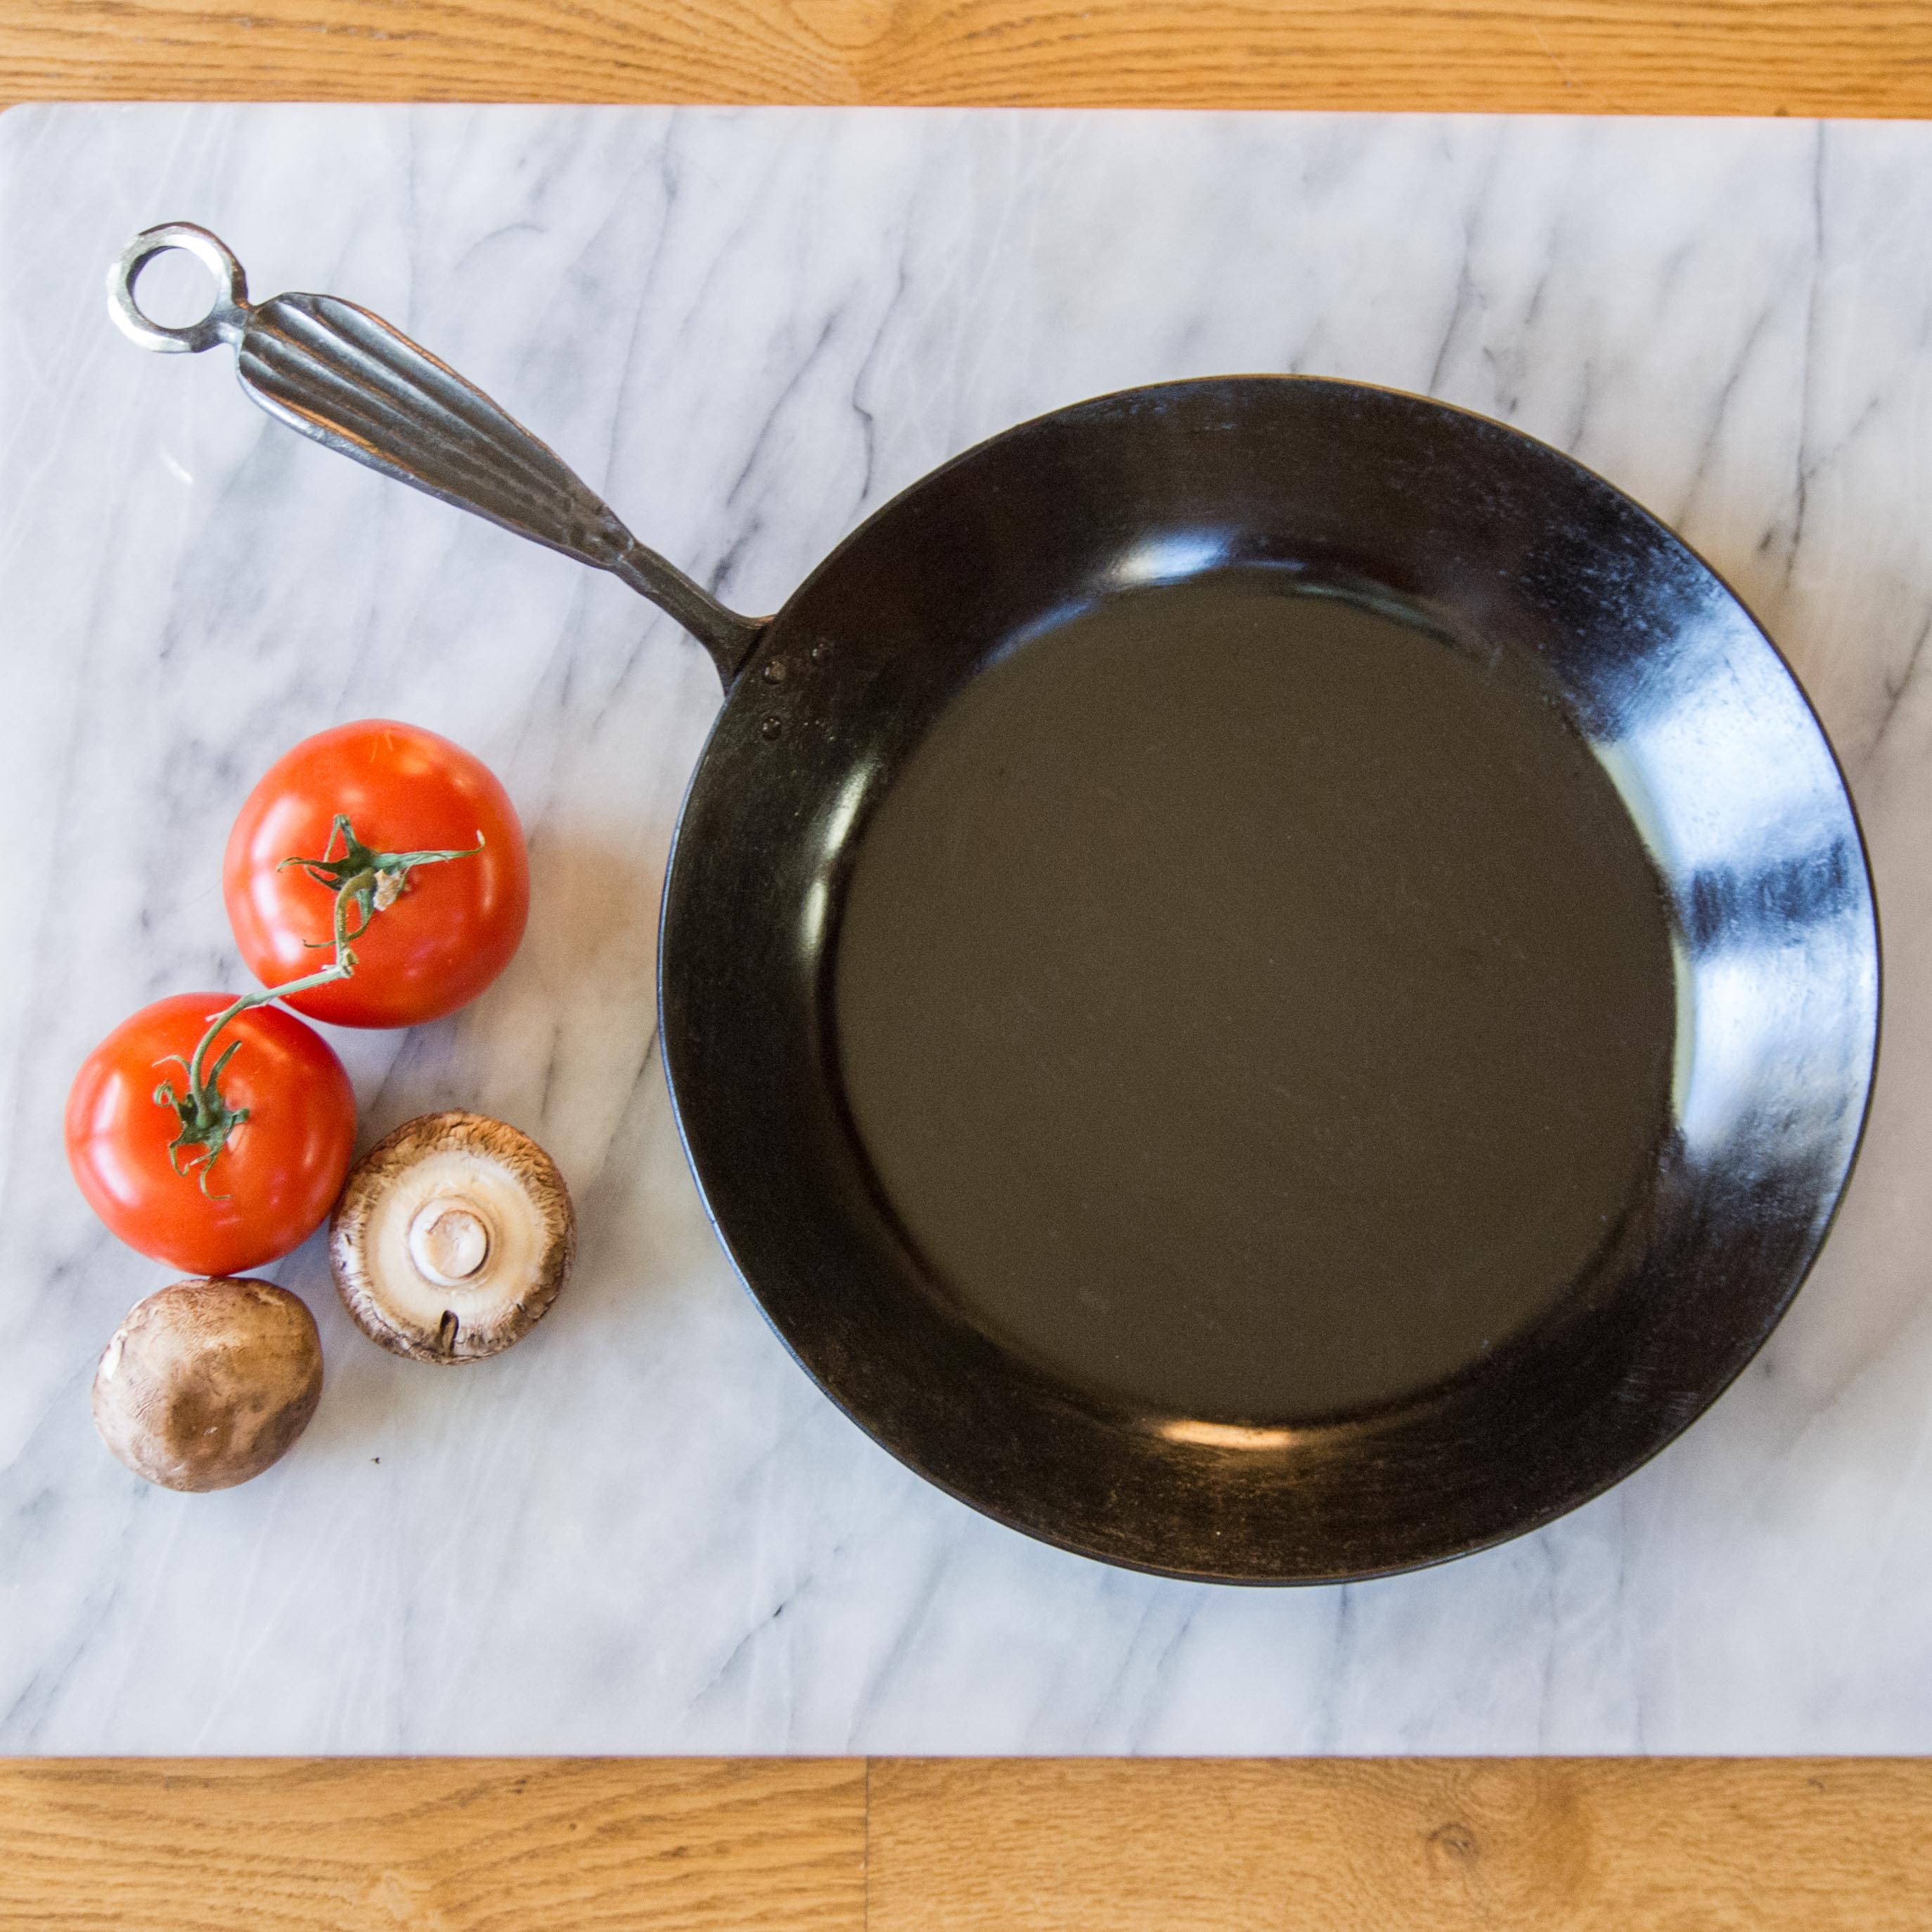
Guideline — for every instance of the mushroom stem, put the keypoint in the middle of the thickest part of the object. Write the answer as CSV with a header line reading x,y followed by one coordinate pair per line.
x,y
449,1240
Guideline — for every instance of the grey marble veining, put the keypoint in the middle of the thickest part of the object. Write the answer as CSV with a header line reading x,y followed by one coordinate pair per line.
x,y
643,1530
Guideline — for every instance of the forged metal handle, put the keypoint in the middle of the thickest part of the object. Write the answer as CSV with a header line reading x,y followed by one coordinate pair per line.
x,y
345,378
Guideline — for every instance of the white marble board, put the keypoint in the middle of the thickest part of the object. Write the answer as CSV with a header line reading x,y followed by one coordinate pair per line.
x,y
644,1530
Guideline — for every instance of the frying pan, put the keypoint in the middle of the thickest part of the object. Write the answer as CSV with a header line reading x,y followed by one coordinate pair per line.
x,y
1265,980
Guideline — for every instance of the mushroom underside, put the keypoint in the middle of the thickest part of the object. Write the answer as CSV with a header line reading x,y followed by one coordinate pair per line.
x,y
453,1237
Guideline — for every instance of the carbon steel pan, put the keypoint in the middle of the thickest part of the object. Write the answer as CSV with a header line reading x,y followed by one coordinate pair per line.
x,y
1265,980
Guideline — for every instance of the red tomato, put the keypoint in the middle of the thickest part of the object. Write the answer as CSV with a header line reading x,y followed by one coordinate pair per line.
x,y
273,1182
456,921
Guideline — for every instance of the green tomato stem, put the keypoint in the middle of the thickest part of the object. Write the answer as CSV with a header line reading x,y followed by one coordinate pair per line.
x,y
364,879
371,881
207,1120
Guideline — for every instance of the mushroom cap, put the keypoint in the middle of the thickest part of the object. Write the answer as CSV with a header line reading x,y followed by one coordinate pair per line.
x,y
208,1382
452,1237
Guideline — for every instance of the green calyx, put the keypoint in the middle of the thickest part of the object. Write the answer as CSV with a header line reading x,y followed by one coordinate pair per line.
x,y
364,882
206,1119
368,880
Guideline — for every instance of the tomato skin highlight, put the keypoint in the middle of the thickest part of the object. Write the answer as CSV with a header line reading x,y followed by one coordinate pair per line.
x,y
281,1170
456,923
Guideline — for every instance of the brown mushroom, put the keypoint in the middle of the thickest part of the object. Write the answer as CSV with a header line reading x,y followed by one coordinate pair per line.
x,y
451,1238
209,1381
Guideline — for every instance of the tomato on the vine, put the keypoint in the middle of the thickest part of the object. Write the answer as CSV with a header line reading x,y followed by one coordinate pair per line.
x,y
251,1187
422,843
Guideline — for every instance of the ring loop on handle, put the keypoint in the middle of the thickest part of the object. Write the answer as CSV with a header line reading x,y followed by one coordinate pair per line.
x,y
223,323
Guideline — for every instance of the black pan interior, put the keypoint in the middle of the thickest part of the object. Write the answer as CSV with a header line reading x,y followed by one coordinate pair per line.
x,y
1269,980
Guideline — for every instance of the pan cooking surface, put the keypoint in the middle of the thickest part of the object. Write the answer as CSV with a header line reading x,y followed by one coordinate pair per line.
x,y
1252,1002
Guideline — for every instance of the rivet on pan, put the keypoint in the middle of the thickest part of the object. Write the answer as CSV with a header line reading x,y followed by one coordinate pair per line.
x,y
820,652
775,671
771,727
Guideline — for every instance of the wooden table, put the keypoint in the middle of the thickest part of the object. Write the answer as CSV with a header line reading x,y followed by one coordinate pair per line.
x,y
890,1845
1803,57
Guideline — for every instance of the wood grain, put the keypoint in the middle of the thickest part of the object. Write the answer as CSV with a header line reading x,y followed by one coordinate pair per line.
x,y
1804,57
437,1845
1342,1845
1345,1845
